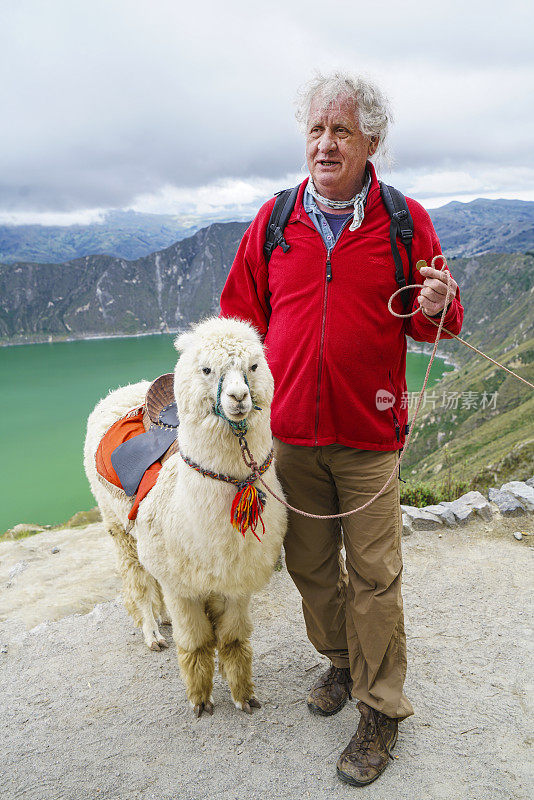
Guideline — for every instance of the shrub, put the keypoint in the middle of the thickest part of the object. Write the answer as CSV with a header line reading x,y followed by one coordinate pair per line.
x,y
426,494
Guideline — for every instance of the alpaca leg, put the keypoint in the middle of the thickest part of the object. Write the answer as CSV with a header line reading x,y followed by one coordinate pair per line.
x,y
195,646
164,618
232,625
143,597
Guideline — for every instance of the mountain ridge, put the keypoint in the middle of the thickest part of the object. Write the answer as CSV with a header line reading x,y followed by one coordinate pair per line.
x,y
104,295
463,228
122,234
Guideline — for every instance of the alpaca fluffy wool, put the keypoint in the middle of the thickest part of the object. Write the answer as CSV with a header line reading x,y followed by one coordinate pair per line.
x,y
188,553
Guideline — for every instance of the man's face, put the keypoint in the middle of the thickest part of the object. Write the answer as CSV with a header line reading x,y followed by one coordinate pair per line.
x,y
336,150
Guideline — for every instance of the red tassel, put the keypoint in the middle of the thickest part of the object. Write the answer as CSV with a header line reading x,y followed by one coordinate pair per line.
x,y
246,510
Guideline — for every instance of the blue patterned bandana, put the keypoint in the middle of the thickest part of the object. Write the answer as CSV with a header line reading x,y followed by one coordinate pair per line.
x,y
358,201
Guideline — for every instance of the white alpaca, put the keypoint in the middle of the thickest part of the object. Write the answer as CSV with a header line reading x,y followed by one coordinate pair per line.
x,y
183,552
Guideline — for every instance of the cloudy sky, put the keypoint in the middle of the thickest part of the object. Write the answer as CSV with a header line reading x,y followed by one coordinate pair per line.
x,y
174,107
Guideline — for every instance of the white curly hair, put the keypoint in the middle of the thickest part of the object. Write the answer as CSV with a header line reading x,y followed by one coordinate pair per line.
x,y
371,105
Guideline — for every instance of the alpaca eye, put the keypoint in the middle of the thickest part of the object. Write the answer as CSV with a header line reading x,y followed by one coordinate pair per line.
x,y
206,370
254,367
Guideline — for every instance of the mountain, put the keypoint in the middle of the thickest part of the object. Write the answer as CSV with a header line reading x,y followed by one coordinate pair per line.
x,y
486,441
464,229
484,226
103,295
124,234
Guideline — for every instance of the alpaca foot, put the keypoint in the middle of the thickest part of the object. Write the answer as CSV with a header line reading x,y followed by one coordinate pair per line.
x,y
248,705
197,667
155,647
204,706
153,638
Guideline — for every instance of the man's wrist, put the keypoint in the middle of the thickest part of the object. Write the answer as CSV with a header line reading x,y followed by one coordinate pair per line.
x,y
435,316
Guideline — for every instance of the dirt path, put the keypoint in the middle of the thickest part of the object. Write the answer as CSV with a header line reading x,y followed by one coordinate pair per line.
x,y
88,712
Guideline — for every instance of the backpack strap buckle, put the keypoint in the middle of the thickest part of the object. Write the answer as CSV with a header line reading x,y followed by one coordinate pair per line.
x,y
283,206
404,226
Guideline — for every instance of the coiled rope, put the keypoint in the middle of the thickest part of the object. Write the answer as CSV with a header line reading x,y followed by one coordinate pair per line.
x,y
251,463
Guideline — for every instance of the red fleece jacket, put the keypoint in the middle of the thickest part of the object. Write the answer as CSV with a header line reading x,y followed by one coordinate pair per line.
x,y
332,345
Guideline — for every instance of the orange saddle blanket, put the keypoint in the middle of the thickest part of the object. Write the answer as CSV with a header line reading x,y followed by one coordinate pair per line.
x,y
120,432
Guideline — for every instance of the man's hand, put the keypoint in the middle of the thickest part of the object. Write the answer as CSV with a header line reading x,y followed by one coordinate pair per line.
x,y
432,296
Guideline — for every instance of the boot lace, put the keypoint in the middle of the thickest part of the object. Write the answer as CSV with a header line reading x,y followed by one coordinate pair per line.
x,y
336,675
362,741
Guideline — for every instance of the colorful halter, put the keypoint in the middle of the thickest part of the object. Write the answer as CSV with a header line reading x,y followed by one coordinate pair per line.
x,y
248,502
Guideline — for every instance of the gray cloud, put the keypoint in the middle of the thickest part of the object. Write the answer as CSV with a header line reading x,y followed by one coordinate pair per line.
x,y
107,101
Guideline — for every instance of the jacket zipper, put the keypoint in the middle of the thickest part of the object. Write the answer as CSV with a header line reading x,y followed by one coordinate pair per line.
x,y
323,325
321,347
396,424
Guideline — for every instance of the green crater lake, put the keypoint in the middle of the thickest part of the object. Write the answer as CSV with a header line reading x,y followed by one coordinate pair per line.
x,y
48,391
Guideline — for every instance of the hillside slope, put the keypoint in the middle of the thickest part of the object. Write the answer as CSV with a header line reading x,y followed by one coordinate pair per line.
x,y
480,413
123,234
102,295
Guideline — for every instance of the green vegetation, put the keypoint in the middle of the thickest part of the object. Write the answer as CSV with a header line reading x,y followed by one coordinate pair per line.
x,y
23,532
476,427
79,520
426,494
82,518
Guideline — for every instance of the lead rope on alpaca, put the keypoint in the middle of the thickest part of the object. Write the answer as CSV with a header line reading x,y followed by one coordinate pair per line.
x,y
251,463
249,500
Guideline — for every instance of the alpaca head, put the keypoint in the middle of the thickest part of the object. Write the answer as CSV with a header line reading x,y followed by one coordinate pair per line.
x,y
221,365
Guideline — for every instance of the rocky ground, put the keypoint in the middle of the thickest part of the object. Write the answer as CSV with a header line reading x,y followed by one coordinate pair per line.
x,y
89,712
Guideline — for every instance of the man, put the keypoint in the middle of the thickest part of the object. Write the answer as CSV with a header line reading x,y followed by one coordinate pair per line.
x,y
334,350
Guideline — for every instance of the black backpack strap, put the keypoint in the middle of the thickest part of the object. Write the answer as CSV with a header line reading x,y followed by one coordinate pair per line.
x,y
401,226
284,205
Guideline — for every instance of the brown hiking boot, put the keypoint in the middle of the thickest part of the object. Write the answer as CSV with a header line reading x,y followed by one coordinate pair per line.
x,y
330,692
368,752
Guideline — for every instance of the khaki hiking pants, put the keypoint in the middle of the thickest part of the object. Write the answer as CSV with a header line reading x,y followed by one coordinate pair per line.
x,y
353,615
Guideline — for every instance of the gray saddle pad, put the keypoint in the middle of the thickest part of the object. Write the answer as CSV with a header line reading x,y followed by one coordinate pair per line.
x,y
131,459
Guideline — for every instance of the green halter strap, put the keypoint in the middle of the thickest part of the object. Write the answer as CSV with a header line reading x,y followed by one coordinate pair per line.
x,y
239,428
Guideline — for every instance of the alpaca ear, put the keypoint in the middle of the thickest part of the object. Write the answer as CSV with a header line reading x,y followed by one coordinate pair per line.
x,y
183,341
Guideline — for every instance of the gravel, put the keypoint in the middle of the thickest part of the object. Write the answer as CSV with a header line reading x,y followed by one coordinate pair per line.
x,y
89,712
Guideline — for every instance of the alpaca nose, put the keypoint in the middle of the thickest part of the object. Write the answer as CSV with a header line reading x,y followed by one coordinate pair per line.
x,y
238,395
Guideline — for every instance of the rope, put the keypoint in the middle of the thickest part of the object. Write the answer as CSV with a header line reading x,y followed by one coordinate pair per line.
x,y
480,353
245,452
454,336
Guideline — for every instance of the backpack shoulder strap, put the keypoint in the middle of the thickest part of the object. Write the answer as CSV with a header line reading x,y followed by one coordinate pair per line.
x,y
274,236
401,226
